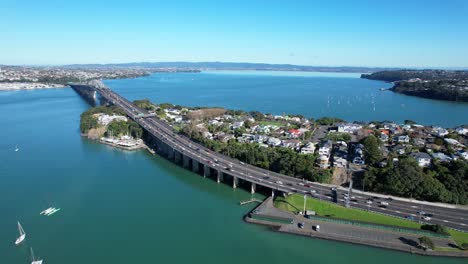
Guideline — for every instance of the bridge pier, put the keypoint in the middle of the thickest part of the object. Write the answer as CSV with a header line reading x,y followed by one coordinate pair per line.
x,y
206,170
219,176
185,161
171,154
195,166
253,186
235,182
177,157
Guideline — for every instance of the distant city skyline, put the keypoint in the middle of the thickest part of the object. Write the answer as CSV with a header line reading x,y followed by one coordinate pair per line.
x,y
422,34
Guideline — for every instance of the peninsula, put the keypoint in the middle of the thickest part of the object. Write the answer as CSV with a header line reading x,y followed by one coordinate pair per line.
x,y
433,84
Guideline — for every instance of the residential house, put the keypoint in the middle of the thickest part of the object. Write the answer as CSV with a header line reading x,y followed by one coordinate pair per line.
x,y
325,149
462,130
294,133
272,141
439,131
441,156
323,162
309,148
402,139
291,143
399,149
348,128
339,162
423,159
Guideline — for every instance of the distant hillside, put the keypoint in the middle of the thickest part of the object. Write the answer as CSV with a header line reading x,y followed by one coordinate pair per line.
x,y
434,84
431,75
230,66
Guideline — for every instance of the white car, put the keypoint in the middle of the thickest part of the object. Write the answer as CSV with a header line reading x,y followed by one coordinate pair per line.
x,y
368,202
279,182
427,218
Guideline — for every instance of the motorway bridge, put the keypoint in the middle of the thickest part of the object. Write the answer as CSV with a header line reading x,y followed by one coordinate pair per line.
x,y
179,148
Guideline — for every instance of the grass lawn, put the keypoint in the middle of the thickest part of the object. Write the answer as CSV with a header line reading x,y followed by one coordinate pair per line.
x,y
295,203
271,123
459,237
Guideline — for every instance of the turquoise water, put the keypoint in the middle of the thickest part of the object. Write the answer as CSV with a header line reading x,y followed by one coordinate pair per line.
x,y
130,207
315,95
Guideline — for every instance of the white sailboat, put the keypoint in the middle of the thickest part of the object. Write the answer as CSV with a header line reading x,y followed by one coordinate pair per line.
x,y
34,261
22,234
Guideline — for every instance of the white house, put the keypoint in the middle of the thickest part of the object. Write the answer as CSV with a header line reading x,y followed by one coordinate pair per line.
x,y
325,150
423,159
104,119
403,139
439,131
272,141
339,162
348,127
323,162
461,130
309,148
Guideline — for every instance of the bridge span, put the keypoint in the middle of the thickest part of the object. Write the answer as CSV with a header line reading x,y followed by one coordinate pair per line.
x,y
191,155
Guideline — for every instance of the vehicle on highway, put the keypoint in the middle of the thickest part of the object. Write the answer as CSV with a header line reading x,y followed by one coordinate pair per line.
x,y
300,225
266,177
384,204
242,163
289,184
279,182
427,218
409,217
313,191
368,202
307,185
300,183
216,160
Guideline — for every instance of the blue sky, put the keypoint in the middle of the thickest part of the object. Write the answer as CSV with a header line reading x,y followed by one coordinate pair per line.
x,y
397,33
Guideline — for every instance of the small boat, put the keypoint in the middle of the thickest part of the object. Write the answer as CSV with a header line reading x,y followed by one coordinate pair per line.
x,y
34,260
53,211
16,148
22,234
46,211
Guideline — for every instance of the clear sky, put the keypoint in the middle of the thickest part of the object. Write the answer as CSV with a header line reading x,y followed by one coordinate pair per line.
x,y
429,33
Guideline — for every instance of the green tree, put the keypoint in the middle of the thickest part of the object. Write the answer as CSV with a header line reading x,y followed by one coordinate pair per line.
x,y
372,153
426,242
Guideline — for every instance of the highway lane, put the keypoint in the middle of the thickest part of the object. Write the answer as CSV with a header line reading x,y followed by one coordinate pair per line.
x,y
455,218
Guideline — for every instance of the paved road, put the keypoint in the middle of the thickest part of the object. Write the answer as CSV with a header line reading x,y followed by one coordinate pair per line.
x,y
450,217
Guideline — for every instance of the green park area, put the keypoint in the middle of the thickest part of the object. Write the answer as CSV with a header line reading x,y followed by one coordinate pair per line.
x,y
295,203
271,123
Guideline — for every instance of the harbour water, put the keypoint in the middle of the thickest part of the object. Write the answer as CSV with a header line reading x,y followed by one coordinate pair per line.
x,y
132,207
342,95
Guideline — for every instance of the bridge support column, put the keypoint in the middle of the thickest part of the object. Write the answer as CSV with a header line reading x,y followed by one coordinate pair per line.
x,y
234,182
253,186
206,171
219,176
272,193
195,167
171,154
176,157
185,161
